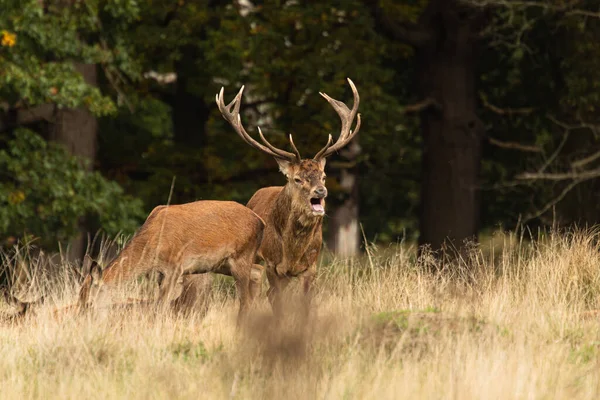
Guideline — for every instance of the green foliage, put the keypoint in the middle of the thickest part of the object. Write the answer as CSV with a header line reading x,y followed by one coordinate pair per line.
x,y
45,192
36,64
189,351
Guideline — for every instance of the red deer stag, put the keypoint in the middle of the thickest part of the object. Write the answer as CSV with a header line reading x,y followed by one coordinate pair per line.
x,y
179,240
294,212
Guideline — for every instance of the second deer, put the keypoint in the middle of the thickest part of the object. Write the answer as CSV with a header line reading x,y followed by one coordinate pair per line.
x,y
181,240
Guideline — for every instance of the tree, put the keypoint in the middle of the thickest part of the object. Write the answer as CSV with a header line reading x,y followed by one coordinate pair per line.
x,y
45,191
48,56
77,129
541,94
445,43
181,48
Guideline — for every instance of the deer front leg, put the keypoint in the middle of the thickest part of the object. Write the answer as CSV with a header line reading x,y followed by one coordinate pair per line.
x,y
307,287
277,285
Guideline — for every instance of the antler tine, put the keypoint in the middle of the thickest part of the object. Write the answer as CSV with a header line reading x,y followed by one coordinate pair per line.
x,y
281,153
231,113
347,117
294,148
232,116
322,151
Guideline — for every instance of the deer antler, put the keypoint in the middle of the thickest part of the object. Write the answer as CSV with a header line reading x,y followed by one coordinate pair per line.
x,y
347,117
231,113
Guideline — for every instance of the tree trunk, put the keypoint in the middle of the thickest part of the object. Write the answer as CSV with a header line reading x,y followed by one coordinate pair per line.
x,y
343,229
451,131
77,130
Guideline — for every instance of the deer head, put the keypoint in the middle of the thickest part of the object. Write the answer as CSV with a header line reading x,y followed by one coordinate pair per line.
x,y
305,177
92,283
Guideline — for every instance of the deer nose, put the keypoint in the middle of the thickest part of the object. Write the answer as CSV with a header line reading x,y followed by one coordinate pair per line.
x,y
321,191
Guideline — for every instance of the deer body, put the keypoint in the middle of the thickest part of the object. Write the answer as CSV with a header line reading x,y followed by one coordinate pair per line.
x,y
294,212
294,256
193,238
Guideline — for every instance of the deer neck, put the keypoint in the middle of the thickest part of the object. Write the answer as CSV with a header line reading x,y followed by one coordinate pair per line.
x,y
292,218
126,262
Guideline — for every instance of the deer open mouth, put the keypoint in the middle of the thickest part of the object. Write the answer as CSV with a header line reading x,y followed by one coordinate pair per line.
x,y
316,205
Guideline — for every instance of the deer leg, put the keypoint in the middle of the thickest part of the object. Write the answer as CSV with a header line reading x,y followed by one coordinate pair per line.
x,y
307,287
247,277
170,279
242,285
256,273
195,294
277,285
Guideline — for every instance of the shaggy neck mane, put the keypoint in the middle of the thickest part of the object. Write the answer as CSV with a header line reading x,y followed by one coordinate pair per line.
x,y
287,213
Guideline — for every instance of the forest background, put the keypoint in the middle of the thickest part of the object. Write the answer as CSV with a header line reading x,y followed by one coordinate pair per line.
x,y
477,115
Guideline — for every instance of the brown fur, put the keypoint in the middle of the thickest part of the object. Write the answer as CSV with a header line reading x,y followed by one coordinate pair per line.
x,y
293,235
186,239
195,294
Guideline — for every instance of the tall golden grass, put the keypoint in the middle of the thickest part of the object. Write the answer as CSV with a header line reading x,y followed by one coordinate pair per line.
x,y
512,319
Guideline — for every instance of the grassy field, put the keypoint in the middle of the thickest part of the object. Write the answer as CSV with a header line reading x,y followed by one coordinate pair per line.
x,y
513,321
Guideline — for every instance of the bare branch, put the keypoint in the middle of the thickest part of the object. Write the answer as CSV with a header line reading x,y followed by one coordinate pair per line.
x,y
567,7
562,124
571,178
584,13
556,152
421,106
504,111
554,201
586,160
560,176
515,146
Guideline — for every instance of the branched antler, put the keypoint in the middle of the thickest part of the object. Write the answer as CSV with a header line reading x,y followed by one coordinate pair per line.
x,y
231,113
347,118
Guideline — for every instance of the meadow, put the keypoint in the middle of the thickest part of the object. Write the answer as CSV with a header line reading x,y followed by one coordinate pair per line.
x,y
514,318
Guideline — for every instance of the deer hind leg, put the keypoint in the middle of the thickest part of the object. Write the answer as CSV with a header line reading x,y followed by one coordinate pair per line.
x,y
247,277
256,274
242,285
277,285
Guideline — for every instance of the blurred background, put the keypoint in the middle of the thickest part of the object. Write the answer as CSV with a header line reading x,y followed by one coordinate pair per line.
x,y
478,115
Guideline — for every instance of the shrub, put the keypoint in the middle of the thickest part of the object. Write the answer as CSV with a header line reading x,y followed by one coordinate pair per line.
x,y
45,192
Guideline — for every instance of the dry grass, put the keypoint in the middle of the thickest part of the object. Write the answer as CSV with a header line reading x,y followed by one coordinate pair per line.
x,y
510,322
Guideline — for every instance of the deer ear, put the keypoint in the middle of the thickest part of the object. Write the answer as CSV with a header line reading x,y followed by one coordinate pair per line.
x,y
284,166
96,272
87,265
321,162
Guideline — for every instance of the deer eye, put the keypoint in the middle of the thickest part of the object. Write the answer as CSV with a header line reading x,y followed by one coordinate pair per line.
x,y
298,180
323,178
